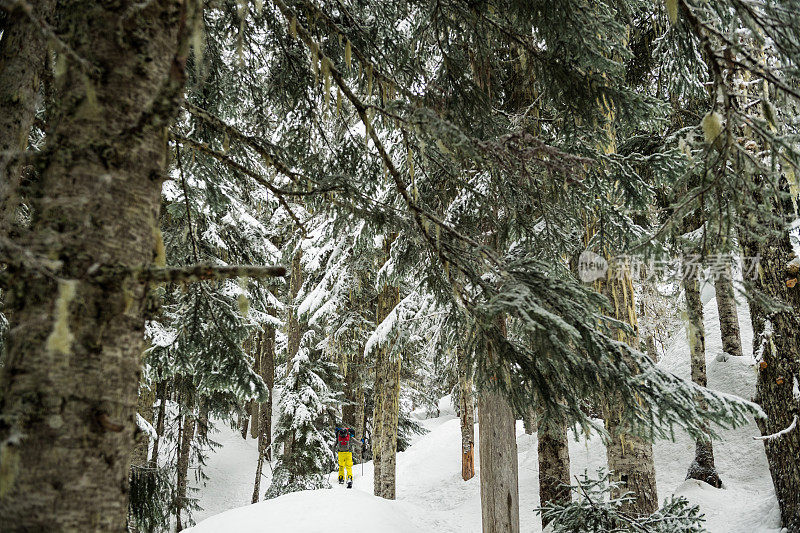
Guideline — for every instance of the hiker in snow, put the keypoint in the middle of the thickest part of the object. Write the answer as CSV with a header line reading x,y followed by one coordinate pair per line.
x,y
345,442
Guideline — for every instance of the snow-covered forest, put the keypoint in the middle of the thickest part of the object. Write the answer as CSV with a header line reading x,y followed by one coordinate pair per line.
x,y
408,265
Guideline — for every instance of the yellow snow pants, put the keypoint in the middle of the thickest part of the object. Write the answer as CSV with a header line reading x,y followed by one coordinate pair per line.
x,y
345,461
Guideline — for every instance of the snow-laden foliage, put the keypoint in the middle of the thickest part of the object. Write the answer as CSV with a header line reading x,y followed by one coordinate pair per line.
x,y
592,510
305,456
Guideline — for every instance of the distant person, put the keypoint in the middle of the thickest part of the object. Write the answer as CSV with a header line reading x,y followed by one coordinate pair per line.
x,y
345,442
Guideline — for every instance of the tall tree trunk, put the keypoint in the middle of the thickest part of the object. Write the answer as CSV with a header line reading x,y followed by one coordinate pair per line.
x,y
499,473
267,372
702,467
387,406
184,452
554,477
387,395
630,458
776,346
71,377
161,394
726,306
293,333
467,412
23,50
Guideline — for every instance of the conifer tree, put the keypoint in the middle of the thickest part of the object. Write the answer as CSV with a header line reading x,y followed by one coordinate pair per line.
x,y
304,399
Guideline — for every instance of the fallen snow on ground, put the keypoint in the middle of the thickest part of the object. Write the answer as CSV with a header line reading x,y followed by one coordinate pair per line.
x,y
432,497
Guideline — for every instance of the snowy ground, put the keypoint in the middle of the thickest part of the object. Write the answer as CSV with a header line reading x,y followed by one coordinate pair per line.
x,y
431,496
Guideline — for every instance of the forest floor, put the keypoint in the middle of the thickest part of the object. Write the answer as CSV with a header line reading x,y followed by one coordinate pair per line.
x,y
432,497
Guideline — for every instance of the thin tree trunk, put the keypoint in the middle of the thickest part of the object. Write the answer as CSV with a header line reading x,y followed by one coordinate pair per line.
x,y
554,477
360,408
498,457
161,394
702,468
147,398
202,419
293,332
467,413
728,316
187,434
70,382
267,372
244,419
630,458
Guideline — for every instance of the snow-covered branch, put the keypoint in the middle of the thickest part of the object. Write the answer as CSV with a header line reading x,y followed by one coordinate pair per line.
x,y
780,433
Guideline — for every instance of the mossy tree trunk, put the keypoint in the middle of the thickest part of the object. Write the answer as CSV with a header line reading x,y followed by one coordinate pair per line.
x,y
630,458
387,396
554,477
467,413
776,343
726,306
266,349
70,382
702,468
23,51
497,438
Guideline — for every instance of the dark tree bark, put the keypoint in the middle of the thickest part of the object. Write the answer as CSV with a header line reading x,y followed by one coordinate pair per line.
x,y
499,473
23,50
267,372
467,413
702,468
202,419
554,477
184,452
776,343
244,419
361,414
293,332
728,316
147,398
70,383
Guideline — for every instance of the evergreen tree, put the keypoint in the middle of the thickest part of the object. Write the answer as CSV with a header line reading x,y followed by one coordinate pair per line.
x,y
304,400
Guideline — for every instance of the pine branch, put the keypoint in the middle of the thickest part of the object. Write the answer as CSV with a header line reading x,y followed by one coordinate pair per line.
x,y
422,218
257,145
228,161
203,271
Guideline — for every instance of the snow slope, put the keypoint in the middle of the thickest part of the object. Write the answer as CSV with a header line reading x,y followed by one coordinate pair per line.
x,y
431,496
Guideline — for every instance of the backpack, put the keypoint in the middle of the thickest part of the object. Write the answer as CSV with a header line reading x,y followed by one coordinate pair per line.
x,y
344,438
